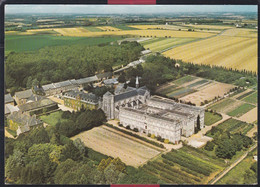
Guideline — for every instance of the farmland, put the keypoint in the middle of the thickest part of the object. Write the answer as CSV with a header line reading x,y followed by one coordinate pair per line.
x,y
35,42
165,43
242,109
116,144
231,52
244,95
184,166
233,126
211,118
251,98
225,105
250,116
238,174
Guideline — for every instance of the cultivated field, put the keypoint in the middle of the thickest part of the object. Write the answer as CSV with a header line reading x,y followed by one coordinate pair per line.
x,y
248,33
165,43
250,116
240,110
110,142
184,166
226,105
146,27
220,27
232,52
251,98
207,92
211,118
108,28
81,31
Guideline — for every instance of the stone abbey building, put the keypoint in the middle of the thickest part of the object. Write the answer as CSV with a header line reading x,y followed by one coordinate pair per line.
x,y
163,117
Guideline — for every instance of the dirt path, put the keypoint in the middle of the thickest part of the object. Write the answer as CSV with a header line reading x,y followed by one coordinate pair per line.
x,y
252,131
232,166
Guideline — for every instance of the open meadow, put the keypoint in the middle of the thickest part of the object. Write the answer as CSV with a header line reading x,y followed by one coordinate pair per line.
x,y
111,142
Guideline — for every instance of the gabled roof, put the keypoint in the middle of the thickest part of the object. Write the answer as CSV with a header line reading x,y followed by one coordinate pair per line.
x,y
8,98
104,75
111,81
87,80
125,95
35,98
24,94
24,119
36,104
108,94
85,97
10,109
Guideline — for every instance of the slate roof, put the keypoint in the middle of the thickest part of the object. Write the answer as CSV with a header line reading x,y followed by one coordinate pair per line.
x,y
87,80
35,98
24,94
125,95
10,109
48,86
85,97
8,98
59,84
104,75
24,119
36,104
111,81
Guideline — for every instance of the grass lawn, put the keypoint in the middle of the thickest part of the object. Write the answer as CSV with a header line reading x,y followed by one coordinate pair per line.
x,y
52,118
251,98
242,109
185,79
236,175
222,104
35,42
211,118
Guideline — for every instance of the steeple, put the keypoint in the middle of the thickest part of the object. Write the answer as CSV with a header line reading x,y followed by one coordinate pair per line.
x,y
137,82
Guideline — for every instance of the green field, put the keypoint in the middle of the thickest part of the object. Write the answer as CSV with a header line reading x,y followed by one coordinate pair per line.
x,y
52,118
165,43
185,79
150,41
240,110
237,174
93,29
245,95
184,166
180,92
168,89
124,27
219,106
211,118
17,43
251,98
233,126
198,83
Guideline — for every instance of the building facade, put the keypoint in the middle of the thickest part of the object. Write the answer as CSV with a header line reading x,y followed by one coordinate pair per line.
x,y
77,100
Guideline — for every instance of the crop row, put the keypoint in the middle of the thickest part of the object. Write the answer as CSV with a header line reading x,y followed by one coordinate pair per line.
x,y
244,95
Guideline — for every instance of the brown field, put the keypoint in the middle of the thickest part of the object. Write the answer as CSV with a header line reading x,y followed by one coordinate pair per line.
x,y
117,144
250,116
232,52
208,92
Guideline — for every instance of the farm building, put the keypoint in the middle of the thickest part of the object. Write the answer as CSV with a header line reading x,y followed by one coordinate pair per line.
x,y
9,99
38,107
77,99
22,96
22,122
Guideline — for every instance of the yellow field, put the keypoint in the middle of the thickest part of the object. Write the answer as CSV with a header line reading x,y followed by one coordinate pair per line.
x,y
67,31
252,33
210,26
108,28
232,52
145,27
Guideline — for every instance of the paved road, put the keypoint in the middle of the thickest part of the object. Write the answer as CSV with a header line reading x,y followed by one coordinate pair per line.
x,y
232,166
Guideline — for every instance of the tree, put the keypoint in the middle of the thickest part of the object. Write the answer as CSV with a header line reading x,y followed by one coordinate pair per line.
x,y
209,146
29,82
121,78
35,82
225,149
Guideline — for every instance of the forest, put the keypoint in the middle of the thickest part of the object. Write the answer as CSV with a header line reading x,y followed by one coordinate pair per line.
x,y
54,64
49,156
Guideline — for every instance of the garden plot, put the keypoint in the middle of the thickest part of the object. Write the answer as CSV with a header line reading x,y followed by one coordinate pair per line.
x,y
252,98
240,110
117,144
208,92
226,105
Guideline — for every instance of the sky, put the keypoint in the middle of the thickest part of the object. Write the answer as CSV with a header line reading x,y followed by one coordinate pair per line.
x,y
129,9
